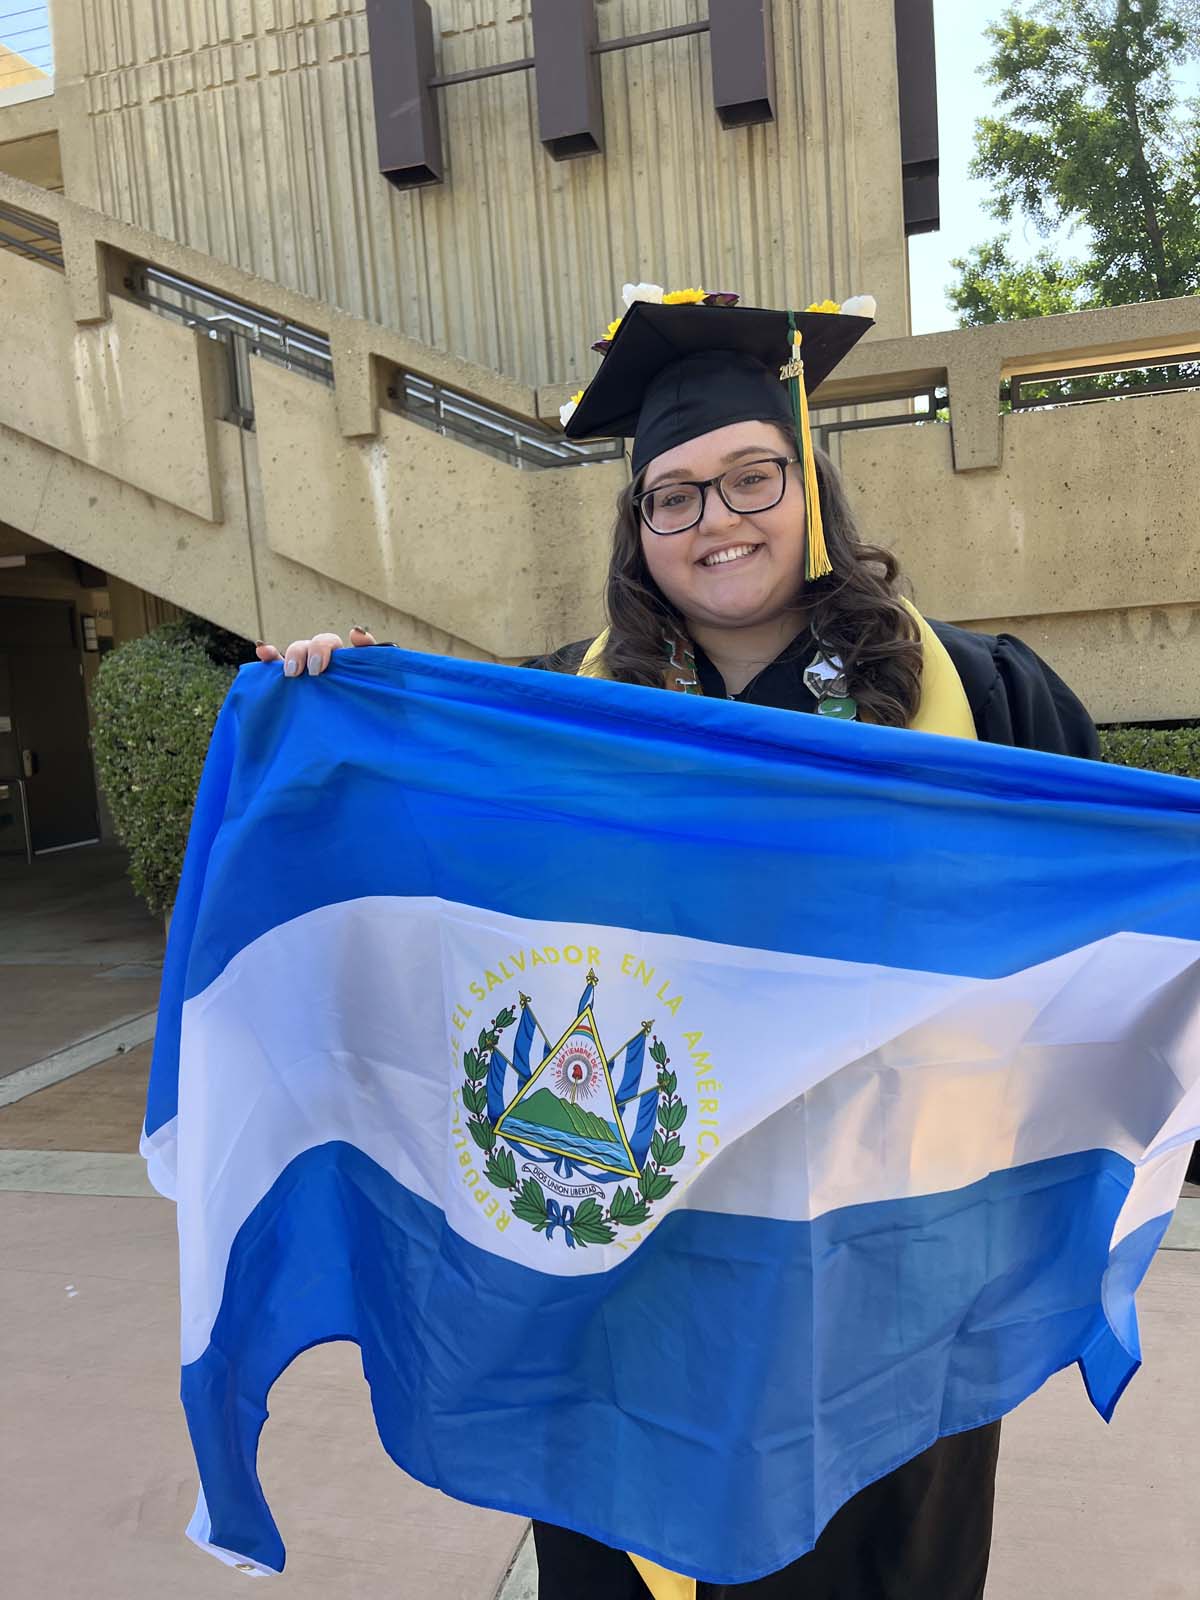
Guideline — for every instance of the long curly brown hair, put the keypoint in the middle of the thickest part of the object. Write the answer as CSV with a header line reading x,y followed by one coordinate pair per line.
x,y
853,613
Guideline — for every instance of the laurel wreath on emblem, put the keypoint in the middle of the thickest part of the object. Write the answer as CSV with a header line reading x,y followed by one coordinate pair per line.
x,y
590,1223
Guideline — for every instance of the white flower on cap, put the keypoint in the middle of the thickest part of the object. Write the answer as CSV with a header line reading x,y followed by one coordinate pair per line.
x,y
859,305
653,292
566,412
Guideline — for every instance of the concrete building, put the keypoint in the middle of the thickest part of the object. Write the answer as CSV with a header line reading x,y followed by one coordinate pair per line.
x,y
291,292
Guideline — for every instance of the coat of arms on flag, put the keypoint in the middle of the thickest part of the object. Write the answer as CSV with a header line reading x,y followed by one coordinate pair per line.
x,y
590,1118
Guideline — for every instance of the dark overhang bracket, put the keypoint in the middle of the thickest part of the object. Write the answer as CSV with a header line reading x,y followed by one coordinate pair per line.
x,y
406,116
743,61
565,59
916,71
570,105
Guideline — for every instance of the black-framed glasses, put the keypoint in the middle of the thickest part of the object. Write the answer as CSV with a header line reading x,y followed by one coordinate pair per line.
x,y
750,486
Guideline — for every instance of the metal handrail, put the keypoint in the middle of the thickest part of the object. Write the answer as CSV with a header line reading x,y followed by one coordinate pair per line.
x,y
38,227
222,316
247,331
459,416
1022,402
938,402
935,401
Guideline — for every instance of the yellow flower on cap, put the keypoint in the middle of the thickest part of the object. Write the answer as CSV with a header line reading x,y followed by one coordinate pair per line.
x,y
824,305
653,294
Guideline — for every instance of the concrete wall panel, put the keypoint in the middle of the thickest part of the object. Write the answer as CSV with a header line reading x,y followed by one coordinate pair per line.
x,y
1092,509
119,527
248,132
471,545
1129,665
126,395
227,572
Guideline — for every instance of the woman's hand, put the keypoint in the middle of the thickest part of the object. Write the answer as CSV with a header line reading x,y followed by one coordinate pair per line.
x,y
311,655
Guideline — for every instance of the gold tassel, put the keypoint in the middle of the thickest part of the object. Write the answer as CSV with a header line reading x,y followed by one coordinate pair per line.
x,y
816,556
816,561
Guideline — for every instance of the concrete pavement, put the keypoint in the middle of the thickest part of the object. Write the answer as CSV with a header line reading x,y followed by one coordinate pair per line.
x,y
96,1474
80,957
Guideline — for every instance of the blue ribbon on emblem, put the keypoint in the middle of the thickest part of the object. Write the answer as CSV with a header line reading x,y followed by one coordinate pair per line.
x,y
560,1217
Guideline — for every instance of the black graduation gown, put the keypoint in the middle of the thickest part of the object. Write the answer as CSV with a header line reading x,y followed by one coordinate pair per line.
x,y
924,1531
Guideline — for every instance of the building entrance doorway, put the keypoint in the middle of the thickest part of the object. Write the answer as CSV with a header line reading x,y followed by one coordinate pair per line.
x,y
44,728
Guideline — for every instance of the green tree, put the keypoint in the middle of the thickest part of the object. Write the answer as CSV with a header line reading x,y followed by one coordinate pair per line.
x,y
1094,135
993,287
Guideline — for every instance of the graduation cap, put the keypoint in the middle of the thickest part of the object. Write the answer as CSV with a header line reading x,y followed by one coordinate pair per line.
x,y
674,371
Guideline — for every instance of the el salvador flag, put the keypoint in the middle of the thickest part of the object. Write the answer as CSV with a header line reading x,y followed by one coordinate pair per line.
x,y
691,1110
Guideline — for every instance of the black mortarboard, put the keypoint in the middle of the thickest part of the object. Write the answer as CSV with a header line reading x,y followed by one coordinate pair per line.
x,y
673,372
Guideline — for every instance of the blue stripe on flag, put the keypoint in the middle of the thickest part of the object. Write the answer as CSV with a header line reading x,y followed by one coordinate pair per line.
x,y
563,1397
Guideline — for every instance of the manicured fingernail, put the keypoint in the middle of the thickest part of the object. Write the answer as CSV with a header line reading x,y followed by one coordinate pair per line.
x,y
358,628
291,667
314,664
258,643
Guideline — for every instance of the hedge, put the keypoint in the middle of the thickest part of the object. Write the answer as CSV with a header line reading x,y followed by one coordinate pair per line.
x,y
1174,750
155,702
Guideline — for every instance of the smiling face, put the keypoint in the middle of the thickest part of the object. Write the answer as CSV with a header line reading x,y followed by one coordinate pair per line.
x,y
733,569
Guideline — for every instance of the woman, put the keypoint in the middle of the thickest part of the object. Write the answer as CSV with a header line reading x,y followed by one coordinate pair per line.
x,y
737,572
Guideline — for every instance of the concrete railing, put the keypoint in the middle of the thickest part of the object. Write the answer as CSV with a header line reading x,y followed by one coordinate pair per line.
x,y
336,507
972,363
95,248
1074,526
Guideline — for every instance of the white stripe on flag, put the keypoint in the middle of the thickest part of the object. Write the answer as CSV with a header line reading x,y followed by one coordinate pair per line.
x,y
917,1083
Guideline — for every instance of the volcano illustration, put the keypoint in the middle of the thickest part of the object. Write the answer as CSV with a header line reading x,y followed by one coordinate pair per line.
x,y
550,1113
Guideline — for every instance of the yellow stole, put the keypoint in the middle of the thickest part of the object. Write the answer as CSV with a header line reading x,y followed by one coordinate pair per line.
x,y
943,708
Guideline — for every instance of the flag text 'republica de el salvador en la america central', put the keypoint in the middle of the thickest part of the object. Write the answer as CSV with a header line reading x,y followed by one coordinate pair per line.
x,y
691,1110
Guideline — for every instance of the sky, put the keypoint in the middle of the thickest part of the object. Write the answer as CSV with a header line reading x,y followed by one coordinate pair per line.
x,y
963,97
25,28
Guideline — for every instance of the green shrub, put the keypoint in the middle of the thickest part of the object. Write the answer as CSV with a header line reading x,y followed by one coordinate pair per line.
x,y
155,702
1174,750
219,645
